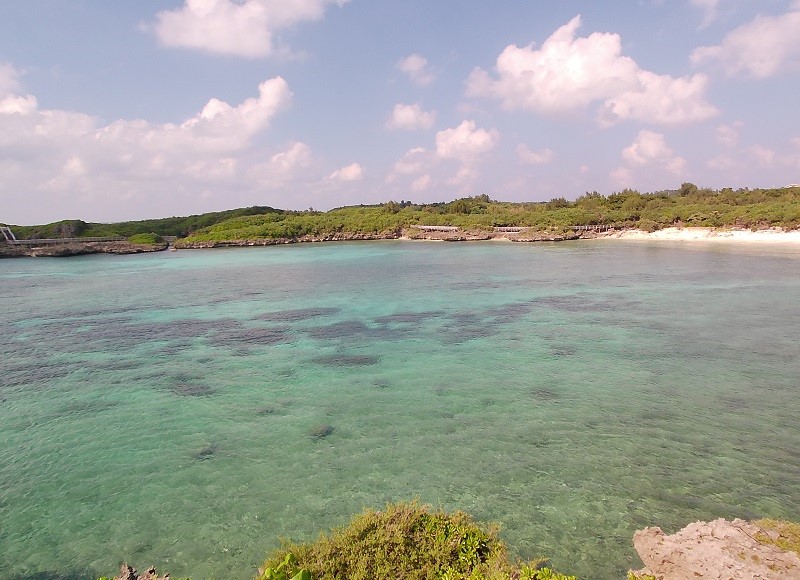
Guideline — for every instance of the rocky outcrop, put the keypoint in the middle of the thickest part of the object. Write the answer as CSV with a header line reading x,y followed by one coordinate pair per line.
x,y
77,249
334,237
719,550
129,573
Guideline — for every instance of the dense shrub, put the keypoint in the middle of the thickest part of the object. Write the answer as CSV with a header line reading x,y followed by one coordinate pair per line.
x,y
410,541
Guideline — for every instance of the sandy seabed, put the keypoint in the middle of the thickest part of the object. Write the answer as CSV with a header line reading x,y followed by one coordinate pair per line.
x,y
774,235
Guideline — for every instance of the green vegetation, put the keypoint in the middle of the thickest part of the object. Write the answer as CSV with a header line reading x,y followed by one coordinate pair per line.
x,y
149,238
172,226
286,570
687,206
407,540
784,535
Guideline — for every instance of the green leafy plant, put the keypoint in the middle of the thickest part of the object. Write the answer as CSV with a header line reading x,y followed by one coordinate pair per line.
x,y
286,570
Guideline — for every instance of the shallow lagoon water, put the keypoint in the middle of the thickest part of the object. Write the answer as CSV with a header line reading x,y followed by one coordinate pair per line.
x,y
159,408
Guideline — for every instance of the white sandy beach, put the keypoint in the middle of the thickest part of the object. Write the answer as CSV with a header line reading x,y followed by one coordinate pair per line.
x,y
771,236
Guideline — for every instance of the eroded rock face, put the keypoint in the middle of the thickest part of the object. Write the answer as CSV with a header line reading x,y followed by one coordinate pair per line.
x,y
719,550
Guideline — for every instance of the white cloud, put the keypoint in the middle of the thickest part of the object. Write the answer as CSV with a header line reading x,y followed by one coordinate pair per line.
x,y
709,8
650,148
10,101
771,159
59,155
761,48
660,99
622,176
413,161
463,144
570,73
534,157
649,152
416,67
765,156
352,172
281,167
421,183
728,135
410,117
465,141
234,27
9,79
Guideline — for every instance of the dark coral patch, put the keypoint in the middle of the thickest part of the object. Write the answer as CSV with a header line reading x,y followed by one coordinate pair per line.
x,y
297,315
346,360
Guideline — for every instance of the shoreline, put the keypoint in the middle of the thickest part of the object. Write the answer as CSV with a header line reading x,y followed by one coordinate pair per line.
x,y
723,235
707,235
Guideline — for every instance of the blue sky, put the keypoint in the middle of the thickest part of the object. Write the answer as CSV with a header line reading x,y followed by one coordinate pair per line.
x,y
153,108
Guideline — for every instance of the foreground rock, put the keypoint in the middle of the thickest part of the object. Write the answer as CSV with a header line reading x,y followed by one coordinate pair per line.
x,y
77,249
717,550
129,573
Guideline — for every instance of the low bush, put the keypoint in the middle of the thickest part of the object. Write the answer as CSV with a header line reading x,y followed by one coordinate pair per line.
x,y
407,540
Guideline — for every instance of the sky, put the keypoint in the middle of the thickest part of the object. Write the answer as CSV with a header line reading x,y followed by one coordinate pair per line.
x,y
113,111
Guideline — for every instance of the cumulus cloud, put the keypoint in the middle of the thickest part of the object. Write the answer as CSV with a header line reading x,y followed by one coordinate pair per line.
x,y
761,48
529,157
49,152
463,145
416,67
234,27
649,151
650,148
281,167
465,142
410,117
569,73
10,101
352,172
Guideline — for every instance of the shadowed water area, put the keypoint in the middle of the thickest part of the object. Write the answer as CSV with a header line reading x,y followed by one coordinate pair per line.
x,y
187,409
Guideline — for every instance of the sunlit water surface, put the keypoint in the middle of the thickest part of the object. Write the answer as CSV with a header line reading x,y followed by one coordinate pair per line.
x,y
158,409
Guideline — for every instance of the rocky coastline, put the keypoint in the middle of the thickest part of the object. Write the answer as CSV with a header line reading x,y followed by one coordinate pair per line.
x,y
403,234
76,249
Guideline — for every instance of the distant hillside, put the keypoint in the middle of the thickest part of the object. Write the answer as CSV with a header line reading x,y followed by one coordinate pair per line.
x,y
172,226
688,206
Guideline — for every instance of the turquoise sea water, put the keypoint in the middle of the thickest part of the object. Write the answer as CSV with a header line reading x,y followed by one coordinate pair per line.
x,y
158,409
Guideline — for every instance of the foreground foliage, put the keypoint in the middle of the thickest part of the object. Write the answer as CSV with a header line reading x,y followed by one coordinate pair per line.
x,y
409,541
